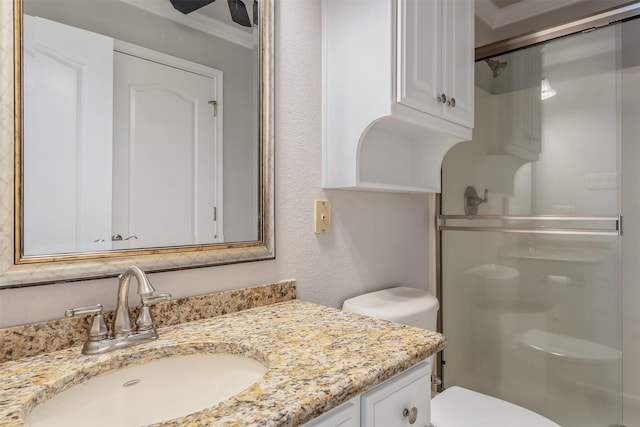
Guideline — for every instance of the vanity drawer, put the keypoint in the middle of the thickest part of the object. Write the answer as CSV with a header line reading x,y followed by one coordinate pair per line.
x,y
345,415
402,401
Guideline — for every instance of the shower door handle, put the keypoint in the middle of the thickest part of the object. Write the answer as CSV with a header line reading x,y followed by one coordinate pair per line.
x,y
615,229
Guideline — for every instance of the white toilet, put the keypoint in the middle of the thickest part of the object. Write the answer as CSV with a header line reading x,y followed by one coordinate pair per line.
x,y
456,406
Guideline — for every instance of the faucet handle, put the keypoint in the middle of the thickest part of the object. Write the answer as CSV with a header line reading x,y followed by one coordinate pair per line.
x,y
145,320
98,329
82,311
154,299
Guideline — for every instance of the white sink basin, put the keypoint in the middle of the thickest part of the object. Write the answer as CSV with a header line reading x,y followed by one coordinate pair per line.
x,y
149,393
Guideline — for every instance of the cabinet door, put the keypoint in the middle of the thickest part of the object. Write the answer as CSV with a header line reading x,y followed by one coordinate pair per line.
x,y
389,404
458,60
419,33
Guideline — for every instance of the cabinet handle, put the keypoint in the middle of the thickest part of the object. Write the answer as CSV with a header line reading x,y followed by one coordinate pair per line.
x,y
411,414
452,102
442,98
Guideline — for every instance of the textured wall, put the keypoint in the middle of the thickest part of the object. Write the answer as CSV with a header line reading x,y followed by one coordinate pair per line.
x,y
377,239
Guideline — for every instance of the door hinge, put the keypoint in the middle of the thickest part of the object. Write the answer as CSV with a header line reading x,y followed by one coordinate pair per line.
x,y
215,213
214,108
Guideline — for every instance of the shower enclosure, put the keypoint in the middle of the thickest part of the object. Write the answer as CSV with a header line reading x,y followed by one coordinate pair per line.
x,y
530,247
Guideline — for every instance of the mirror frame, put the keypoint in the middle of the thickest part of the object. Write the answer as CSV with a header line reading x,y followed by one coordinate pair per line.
x,y
18,271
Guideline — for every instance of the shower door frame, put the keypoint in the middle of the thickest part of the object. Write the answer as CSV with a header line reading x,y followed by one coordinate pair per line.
x,y
597,20
601,19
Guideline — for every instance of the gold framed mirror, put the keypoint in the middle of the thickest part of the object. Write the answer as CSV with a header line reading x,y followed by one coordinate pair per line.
x,y
22,266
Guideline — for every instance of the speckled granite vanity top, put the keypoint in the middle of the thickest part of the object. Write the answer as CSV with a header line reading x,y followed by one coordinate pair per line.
x,y
318,358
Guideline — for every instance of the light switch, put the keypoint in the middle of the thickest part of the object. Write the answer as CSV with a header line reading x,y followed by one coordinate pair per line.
x,y
321,216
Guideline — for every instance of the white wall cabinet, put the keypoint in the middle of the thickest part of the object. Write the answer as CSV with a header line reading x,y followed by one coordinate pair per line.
x,y
435,69
404,400
386,65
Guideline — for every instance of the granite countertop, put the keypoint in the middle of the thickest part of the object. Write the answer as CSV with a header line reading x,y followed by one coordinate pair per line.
x,y
317,358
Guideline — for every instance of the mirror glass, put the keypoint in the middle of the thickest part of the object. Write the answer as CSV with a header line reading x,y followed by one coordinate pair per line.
x,y
141,127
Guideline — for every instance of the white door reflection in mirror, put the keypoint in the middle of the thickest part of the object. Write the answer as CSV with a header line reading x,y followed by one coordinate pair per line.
x,y
67,138
167,153
123,149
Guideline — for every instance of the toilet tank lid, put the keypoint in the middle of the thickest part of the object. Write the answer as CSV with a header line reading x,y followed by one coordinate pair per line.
x,y
399,304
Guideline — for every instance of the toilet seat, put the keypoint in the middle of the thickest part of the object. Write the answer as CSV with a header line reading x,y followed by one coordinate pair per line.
x,y
459,407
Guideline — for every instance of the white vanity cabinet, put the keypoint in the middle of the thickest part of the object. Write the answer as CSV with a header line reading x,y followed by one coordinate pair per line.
x,y
404,400
398,91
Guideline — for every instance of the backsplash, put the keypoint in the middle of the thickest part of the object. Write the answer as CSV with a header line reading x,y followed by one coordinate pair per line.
x,y
29,340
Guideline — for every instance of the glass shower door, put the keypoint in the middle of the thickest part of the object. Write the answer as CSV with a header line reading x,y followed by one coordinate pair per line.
x,y
530,287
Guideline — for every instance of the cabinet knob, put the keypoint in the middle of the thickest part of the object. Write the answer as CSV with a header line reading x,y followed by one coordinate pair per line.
x,y
452,102
442,98
411,414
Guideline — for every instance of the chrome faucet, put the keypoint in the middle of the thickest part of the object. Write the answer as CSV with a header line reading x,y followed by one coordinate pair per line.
x,y
123,334
121,321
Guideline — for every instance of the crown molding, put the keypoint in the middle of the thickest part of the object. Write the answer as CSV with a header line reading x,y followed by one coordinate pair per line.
x,y
199,22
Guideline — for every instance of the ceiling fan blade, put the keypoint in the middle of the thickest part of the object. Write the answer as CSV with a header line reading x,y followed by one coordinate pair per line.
x,y
239,13
188,6
255,12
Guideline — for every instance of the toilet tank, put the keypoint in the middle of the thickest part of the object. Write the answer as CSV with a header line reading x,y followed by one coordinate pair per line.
x,y
400,304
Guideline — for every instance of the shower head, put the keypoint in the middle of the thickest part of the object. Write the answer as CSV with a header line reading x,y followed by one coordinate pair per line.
x,y
496,66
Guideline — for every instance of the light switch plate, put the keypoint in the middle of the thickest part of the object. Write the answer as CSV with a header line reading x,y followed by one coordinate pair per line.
x,y
321,216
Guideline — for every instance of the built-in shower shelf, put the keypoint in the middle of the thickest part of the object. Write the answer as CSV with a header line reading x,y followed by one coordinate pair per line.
x,y
512,307
569,348
583,252
492,272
